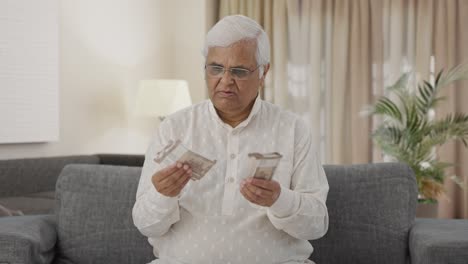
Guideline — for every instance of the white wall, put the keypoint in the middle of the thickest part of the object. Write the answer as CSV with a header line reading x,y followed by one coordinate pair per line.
x,y
106,47
29,71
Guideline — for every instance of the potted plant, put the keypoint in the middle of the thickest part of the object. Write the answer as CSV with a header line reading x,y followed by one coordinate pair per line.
x,y
410,133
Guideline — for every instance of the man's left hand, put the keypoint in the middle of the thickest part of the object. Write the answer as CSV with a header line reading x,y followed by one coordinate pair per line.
x,y
261,192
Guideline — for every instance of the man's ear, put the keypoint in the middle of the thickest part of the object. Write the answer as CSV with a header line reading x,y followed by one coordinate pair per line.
x,y
266,67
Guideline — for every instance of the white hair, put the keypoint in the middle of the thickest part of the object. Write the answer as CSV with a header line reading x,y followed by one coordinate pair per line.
x,y
232,29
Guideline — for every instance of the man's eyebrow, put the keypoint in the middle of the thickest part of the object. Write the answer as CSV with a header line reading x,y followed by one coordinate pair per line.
x,y
237,66
216,64
240,67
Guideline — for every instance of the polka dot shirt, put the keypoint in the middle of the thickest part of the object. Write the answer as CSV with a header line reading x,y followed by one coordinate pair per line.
x,y
210,221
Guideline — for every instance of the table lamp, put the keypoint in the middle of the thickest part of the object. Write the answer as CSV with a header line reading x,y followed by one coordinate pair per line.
x,y
161,97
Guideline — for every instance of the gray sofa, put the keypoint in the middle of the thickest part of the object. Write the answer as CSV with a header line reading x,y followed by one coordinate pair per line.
x,y
371,209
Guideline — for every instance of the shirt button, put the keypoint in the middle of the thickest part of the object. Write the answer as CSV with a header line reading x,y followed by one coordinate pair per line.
x,y
233,156
230,179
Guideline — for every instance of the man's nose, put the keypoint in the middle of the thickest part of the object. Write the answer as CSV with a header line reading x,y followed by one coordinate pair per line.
x,y
227,77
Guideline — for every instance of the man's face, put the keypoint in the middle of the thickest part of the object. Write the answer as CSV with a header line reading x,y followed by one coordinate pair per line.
x,y
228,94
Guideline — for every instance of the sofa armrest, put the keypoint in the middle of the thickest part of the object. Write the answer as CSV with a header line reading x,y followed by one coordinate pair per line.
x,y
439,241
27,239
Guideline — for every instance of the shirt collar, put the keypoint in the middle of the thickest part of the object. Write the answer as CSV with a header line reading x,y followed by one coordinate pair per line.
x,y
255,109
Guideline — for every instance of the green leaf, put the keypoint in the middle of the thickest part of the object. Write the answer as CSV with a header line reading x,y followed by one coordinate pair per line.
x,y
437,79
386,107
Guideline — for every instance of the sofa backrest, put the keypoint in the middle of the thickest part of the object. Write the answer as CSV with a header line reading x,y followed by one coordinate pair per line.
x,y
94,216
134,160
371,209
33,175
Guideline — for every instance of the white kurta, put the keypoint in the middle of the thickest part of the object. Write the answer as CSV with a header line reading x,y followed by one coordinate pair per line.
x,y
210,221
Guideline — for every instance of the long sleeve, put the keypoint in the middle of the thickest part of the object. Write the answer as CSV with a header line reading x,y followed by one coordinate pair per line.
x,y
153,213
301,210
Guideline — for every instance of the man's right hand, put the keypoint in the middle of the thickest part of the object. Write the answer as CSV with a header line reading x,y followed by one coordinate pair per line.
x,y
171,180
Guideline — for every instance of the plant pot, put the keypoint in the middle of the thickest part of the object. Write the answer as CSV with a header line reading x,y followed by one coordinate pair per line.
x,y
427,210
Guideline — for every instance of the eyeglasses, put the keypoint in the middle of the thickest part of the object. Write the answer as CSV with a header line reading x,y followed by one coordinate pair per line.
x,y
216,71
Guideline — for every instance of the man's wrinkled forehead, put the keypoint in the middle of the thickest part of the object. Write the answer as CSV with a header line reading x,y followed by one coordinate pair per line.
x,y
243,51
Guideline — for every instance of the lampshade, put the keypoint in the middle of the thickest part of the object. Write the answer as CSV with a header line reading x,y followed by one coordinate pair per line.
x,y
162,97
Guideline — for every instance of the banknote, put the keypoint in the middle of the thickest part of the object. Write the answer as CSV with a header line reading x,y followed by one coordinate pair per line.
x,y
175,151
263,166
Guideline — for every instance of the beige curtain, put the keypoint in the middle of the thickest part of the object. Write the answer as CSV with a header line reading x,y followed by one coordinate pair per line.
x,y
450,47
350,73
332,57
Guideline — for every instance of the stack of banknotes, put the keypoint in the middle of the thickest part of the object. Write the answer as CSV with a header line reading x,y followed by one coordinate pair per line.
x,y
174,152
261,166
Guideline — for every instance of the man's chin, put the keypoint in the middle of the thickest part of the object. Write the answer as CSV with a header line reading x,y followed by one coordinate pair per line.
x,y
226,105
231,100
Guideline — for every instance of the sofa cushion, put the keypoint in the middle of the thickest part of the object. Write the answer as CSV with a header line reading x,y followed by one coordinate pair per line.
x,y
94,210
31,204
371,209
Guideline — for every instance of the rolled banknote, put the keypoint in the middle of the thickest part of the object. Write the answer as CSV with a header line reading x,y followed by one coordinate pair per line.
x,y
263,166
175,151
